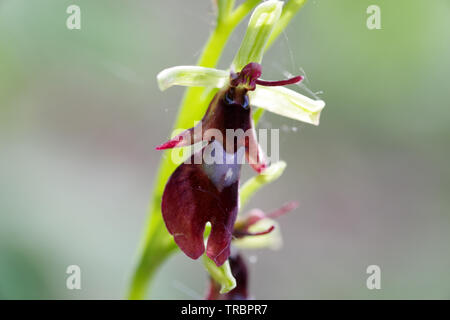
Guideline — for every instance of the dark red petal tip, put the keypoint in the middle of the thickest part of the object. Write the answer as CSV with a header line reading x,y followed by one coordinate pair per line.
x,y
278,83
167,145
284,209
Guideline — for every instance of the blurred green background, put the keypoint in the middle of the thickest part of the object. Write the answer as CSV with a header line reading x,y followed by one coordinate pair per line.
x,y
80,114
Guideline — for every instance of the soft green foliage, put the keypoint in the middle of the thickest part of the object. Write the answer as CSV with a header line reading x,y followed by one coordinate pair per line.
x,y
158,244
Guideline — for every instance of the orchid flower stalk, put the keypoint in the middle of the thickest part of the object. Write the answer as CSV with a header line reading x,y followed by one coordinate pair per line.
x,y
209,193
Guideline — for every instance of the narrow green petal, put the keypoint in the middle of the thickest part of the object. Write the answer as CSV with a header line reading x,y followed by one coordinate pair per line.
x,y
222,275
255,183
259,28
287,103
270,240
192,76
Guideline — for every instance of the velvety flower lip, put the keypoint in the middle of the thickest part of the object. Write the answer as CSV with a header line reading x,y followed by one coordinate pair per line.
x,y
193,197
240,273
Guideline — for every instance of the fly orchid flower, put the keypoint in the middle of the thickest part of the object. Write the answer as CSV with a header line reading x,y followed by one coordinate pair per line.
x,y
202,191
204,195
198,193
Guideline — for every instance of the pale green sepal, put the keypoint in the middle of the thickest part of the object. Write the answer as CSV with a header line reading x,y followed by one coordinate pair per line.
x,y
192,76
257,182
222,275
287,103
259,28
